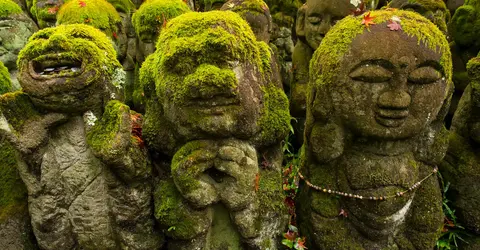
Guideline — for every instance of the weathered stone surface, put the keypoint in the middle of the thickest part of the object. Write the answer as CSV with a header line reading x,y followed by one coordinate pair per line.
x,y
81,193
215,104
375,128
434,10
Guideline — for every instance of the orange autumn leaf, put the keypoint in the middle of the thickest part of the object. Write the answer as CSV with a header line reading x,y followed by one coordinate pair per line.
x,y
53,10
82,4
367,20
257,182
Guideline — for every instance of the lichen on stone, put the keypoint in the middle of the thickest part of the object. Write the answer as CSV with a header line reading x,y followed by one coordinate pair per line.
x,y
8,8
5,83
275,119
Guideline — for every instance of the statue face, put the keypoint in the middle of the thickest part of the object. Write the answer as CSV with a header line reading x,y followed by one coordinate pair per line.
x,y
47,12
215,97
14,34
388,92
321,15
65,68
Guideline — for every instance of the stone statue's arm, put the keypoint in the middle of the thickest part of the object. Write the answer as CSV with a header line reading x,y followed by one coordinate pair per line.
x,y
116,140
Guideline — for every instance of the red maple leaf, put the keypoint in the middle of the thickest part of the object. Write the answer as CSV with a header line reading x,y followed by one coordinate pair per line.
x,y
343,213
52,10
290,235
301,244
394,26
82,4
367,20
114,34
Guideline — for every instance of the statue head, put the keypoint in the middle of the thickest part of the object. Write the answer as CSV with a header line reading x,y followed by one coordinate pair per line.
x,y
45,12
434,10
15,29
316,17
99,14
214,80
388,82
256,13
70,68
151,18
465,25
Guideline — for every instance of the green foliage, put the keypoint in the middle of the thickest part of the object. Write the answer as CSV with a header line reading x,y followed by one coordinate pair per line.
x,y
97,13
452,231
9,7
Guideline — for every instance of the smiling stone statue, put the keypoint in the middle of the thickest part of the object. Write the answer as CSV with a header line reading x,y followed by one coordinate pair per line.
x,y
216,106
86,177
374,134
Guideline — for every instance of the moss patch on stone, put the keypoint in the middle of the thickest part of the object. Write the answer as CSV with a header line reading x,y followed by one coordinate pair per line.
x,y
97,13
327,58
153,15
5,83
125,6
275,119
465,24
9,7
17,109
270,193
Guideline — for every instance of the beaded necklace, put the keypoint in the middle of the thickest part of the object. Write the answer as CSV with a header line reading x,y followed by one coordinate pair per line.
x,y
356,196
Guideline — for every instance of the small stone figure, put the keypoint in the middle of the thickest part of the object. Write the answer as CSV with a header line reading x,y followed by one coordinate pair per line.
x,y
434,10
461,166
215,105
15,30
380,86
86,174
45,12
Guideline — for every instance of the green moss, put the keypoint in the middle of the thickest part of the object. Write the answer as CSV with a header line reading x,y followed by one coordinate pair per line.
x,y
327,58
125,6
270,193
153,15
173,213
97,13
275,119
102,135
255,7
5,83
8,8
284,11
17,108
13,194
431,4
81,42
465,24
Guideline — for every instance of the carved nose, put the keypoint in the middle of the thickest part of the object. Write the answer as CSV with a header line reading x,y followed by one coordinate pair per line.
x,y
394,100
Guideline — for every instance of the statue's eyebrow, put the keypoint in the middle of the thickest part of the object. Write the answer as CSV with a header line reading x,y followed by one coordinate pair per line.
x,y
379,62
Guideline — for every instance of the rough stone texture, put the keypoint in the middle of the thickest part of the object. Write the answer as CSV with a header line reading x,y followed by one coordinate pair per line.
x,y
371,132
215,105
17,28
461,166
87,178
434,10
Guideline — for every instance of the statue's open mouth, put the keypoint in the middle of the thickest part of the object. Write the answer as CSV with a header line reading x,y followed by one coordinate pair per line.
x,y
391,118
54,66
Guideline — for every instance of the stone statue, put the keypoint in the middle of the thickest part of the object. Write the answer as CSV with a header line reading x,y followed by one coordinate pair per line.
x,y
149,20
461,166
15,228
434,10
16,28
256,13
380,86
314,20
86,174
209,5
216,107
45,12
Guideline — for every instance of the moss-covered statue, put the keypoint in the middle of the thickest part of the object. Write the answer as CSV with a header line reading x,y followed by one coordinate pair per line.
x,y
314,20
208,5
256,13
434,10
461,166
45,11
379,90
215,105
15,228
15,30
81,157
464,29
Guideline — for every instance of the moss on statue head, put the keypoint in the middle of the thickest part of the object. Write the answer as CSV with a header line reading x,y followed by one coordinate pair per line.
x,y
465,24
275,119
80,43
5,83
97,13
336,44
9,8
244,6
153,15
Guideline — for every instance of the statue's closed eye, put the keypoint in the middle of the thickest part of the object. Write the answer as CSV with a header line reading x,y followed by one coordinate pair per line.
x,y
314,20
424,75
371,73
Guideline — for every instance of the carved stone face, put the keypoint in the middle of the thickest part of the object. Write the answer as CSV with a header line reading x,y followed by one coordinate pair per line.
x,y
14,33
46,12
68,67
321,15
388,92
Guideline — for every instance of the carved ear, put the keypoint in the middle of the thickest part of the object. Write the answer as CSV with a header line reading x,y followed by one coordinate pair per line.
x,y
300,26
